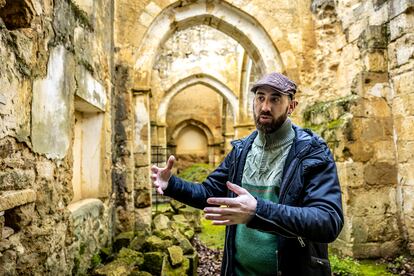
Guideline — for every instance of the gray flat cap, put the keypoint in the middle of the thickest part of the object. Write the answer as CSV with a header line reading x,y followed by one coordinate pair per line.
x,y
277,82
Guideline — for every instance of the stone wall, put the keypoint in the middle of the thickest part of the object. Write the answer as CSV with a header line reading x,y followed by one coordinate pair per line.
x,y
56,59
364,55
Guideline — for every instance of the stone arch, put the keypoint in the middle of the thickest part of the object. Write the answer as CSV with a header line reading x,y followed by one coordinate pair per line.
x,y
204,79
218,14
192,122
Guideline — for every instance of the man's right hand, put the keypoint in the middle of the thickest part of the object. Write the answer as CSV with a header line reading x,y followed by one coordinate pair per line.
x,y
160,176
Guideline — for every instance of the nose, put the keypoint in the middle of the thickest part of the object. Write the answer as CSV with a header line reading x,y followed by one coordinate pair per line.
x,y
266,105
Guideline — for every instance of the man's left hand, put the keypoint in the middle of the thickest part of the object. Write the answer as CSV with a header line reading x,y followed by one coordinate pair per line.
x,y
238,210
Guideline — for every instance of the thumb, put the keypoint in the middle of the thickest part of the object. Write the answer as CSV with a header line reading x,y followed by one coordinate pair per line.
x,y
236,188
170,162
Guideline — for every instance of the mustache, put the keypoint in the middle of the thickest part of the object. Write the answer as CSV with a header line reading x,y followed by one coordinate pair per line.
x,y
265,113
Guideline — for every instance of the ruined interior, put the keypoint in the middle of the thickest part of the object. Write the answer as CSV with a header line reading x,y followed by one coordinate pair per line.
x,y
89,89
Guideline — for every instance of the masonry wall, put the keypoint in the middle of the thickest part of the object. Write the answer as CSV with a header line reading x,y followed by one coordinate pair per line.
x,y
56,60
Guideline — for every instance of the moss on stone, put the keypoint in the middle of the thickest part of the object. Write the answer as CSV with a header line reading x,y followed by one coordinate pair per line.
x,y
153,262
130,257
81,16
96,260
176,255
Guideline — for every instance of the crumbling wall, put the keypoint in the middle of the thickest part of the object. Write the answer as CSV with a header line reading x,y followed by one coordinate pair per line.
x,y
56,59
363,57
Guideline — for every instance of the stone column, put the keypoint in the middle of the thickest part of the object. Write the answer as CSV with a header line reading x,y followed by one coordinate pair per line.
x,y
401,64
142,155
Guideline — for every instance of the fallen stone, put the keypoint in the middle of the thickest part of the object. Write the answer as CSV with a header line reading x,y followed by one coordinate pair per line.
x,y
154,243
123,240
114,268
130,257
163,234
161,222
153,262
176,255
176,205
169,270
184,243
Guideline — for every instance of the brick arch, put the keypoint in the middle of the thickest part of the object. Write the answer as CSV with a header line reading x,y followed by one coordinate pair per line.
x,y
242,27
192,80
192,122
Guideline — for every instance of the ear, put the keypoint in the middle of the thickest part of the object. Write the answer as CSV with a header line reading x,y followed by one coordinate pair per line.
x,y
292,105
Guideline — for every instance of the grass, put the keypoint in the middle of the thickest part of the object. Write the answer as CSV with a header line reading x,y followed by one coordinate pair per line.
x,y
212,235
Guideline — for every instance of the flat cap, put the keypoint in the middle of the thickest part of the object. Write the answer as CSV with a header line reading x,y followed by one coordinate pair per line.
x,y
277,82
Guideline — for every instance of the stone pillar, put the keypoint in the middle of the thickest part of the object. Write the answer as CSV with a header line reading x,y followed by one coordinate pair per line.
x,y
401,64
142,160
365,153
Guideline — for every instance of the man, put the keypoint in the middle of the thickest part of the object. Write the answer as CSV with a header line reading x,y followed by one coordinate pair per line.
x,y
277,192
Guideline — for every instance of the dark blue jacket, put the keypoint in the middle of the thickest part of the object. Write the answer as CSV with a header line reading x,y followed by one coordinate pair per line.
x,y
308,216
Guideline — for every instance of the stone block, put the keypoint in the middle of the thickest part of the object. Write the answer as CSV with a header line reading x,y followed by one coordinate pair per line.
x,y
142,198
397,7
175,254
407,199
161,222
401,25
403,105
350,173
20,216
193,258
375,61
17,179
360,151
356,29
384,151
378,201
169,270
143,218
372,37
403,83
405,151
153,262
141,159
379,16
405,51
154,243
376,129
404,127
11,199
142,178
375,228
372,106
380,173
377,250
406,173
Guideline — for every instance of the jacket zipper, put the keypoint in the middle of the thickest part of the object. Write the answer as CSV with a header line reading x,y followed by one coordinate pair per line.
x,y
302,243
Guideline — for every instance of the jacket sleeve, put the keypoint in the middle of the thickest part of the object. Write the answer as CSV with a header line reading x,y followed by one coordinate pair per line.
x,y
318,217
196,195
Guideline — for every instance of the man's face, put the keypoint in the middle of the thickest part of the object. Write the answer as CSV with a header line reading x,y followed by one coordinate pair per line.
x,y
271,109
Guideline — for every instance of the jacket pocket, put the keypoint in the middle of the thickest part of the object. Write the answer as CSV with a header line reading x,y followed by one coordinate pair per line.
x,y
320,266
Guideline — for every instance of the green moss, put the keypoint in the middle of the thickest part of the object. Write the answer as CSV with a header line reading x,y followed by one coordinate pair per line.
x,y
82,248
96,260
81,16
350,267
212,235
196,172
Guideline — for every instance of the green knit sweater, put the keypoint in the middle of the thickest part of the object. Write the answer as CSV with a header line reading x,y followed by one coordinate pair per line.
x,y
256,252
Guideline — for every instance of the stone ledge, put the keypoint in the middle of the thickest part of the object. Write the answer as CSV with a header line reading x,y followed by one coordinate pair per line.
x,y
91,207
11,199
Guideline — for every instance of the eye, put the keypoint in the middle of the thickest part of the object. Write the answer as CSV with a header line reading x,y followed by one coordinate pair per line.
x,y
276,99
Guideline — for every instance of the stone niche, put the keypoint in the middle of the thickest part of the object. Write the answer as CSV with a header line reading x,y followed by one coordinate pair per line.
x,y
16,13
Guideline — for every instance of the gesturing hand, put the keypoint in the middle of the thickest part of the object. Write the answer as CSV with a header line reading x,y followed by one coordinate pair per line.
x,y
238,210
160,176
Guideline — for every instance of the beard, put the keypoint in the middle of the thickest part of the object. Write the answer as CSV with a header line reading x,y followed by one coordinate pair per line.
x,y
272,126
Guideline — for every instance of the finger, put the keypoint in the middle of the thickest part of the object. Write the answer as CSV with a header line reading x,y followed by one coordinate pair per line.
x,y
170,162
160,191
216,217
216,210
153,177
154,169
236,188
231,202
222,222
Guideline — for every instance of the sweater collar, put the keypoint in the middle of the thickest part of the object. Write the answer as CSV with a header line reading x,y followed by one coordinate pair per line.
x,y
281,136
